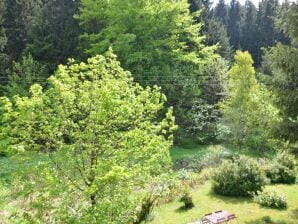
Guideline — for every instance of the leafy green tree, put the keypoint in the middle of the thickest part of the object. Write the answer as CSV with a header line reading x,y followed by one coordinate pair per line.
x,y
106,136
248,110
288,22
157,41
205,113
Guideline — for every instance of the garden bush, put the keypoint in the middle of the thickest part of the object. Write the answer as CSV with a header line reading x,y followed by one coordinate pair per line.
x,y
187,200
271,199
282,170
286,160
241,177
278,173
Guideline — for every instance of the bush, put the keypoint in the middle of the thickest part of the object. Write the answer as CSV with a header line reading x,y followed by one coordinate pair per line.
x,y
187,200
286,160
203,127
271,199
280,174
282,170
242,177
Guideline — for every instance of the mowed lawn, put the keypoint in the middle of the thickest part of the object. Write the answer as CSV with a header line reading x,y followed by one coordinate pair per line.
x,y
246,210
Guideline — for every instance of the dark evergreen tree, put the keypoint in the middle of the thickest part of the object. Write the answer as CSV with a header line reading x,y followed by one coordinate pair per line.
x,y
193,5
18,17
234,19
280,62
216,33
3,42
248,29
55,36
15,28
213,29
221,12
267,34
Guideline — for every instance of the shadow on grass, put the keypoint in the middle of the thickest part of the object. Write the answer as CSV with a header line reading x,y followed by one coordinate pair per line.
x,y
294,213
182,209
267,220
229,199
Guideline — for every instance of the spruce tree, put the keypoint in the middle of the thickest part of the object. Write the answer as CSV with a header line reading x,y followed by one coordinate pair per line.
x,y
54,37
234,19
248,29
280,63
18,16
3,42
221,13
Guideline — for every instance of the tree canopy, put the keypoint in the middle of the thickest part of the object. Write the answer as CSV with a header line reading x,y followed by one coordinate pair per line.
x,y
114,134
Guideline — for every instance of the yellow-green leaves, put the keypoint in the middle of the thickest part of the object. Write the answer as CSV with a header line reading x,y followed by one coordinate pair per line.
x,y
105,134
248,111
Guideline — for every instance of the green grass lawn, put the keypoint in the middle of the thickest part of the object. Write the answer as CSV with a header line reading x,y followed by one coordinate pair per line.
x,y
193,151
246,210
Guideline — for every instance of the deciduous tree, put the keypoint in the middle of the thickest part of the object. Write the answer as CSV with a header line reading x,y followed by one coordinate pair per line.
x,y
106,135
157,41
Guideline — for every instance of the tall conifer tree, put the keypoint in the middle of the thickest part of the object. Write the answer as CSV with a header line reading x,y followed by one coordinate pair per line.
x,y
221,13
234,19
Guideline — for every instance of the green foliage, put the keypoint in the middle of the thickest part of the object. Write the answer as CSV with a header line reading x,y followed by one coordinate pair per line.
x,y
204,126
278,173
286,160
288,23
282,169
234,20
205,114
200,161
18,17
216,33
23,74
281,64
271,199
248,110
105,135
187,200
221,12
53,38
248,30
157,41
242,177
3,41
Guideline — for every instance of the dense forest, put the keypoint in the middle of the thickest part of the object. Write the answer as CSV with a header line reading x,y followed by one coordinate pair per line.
x,y
99,98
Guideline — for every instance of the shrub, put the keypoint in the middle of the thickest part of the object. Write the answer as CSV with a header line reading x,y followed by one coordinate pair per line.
x,y
242,177
204,119
271,199
280,174
286,160
282,170
187,200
